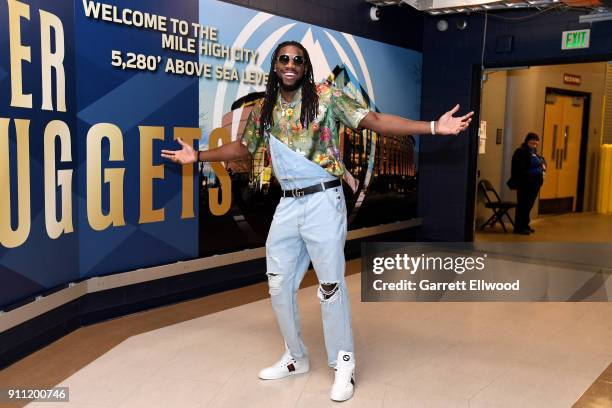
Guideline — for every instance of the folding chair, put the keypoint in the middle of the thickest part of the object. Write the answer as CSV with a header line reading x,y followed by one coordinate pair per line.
x,y
499,207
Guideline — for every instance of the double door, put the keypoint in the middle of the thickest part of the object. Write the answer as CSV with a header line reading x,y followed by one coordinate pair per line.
x,y
561,150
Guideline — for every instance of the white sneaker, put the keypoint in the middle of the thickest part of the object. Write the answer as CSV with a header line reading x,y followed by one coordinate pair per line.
x,y
344,383
284,367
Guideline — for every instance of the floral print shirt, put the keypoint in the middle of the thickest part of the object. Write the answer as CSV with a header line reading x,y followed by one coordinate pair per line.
x,y
319,142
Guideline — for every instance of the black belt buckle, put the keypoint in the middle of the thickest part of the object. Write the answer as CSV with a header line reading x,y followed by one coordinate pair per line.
x,y
301,192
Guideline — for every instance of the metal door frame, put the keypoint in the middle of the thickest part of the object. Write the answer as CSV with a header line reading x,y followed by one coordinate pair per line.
x,y
584,138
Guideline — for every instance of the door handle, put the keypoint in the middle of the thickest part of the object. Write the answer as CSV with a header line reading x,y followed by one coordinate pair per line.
x,y
565,137
554,146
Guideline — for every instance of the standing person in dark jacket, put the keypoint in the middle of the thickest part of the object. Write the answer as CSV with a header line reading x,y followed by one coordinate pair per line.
x,y
527,177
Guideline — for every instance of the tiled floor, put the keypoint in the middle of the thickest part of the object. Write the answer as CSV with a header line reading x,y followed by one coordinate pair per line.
x,y
408,355
573,227
207,352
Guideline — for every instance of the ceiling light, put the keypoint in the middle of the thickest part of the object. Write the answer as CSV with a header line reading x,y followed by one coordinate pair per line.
x,y
442,25
462,24
436,7
595,17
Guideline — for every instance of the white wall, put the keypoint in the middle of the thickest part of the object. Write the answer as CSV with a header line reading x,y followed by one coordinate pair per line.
x,y
493,111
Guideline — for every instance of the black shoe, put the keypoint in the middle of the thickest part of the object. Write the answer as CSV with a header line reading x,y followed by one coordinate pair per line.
x,y
522,231
530,229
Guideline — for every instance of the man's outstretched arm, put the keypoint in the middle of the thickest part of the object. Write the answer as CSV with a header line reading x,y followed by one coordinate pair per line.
x,y
386,124
227,152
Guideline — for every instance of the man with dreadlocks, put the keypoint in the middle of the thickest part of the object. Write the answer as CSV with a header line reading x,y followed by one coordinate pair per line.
x,y
296,123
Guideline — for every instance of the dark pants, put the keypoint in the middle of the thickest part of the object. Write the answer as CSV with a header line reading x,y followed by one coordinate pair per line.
x,y
526,195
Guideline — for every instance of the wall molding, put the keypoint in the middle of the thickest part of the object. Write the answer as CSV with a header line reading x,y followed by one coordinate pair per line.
x,y
44,304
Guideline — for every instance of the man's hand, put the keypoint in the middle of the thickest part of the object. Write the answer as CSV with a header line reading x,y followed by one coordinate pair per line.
x,y
186,155
450,125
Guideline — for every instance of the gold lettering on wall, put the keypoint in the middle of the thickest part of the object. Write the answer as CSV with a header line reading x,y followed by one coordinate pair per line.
x,y
216,207
188,135
54,60
19,53
113,177
57,129
148,173
8,237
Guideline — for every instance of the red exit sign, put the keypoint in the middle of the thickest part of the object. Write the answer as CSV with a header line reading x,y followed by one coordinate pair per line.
x,y
571,79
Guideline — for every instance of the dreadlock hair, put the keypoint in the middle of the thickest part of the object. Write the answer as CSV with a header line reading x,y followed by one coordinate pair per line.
x,y
310,99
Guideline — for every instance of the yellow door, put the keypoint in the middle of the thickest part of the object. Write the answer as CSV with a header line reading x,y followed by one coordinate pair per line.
x,y
561,147
553,121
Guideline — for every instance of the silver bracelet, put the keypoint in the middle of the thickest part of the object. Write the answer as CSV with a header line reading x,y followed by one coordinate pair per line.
x,y
432,126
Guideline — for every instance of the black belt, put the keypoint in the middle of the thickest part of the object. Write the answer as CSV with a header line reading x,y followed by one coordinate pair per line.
x,y
301,192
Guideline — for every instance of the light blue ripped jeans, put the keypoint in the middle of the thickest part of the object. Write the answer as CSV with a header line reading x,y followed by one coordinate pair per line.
x,y
309,228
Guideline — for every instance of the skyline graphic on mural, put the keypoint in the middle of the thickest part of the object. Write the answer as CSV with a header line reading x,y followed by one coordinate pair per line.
x,y
384,77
